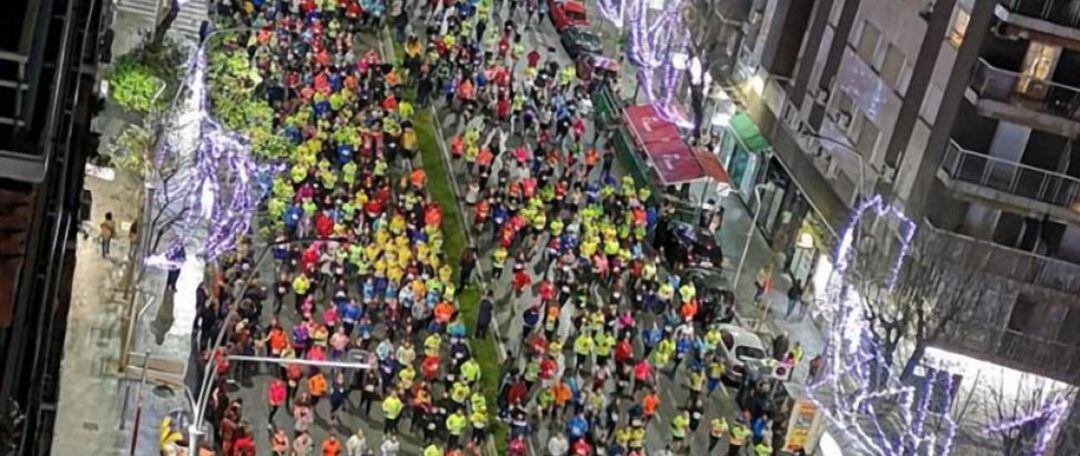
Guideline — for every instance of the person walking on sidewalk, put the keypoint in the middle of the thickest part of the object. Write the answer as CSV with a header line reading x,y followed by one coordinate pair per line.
x,y
794,295
763,282
108,232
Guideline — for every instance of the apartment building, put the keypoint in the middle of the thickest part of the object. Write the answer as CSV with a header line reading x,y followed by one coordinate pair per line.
x,y
48,55
962,112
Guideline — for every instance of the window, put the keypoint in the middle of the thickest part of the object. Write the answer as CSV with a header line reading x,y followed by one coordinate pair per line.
x,y
727,339
868,41
892,66
746,353
842,103
867,139
959,27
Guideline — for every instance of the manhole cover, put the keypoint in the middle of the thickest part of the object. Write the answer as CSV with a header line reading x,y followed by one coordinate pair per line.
x,y
90,426
164,391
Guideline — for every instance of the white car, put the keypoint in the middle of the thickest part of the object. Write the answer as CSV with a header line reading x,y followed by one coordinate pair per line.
x,y
738,346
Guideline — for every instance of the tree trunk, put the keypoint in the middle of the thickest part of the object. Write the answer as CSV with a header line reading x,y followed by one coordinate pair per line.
x,y
913,361
166,23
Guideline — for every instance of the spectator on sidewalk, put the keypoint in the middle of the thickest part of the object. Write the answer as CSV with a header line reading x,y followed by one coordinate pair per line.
x,y
466,266
108,231
794,295
485,314
763,282
780,346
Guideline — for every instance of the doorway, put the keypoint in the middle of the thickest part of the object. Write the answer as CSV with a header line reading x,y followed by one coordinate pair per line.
x,y
1039,64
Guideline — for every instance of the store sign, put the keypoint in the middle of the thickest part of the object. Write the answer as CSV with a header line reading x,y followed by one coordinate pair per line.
x,y
801,425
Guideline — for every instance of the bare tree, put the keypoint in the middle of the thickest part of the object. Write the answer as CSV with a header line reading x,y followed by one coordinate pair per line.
x,y
1016,417
714,27
912,305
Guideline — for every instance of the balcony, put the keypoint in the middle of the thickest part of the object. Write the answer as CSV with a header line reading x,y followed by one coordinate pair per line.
x,y
1015,349
1017,187
1022,188
1008,263
1060,12
1025,100
1011,271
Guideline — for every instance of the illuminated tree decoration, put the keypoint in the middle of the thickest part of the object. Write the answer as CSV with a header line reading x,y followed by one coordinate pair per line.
x,y
1048,418
220,192
883,418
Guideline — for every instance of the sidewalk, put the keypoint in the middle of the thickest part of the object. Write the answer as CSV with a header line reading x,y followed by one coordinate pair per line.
x,y
96,407
732,238
89,410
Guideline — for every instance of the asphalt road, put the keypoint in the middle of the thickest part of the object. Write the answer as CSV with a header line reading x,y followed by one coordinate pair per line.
x,y
252,392
671,388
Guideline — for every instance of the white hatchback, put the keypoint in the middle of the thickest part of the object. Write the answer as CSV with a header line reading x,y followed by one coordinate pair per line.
x,y
738,346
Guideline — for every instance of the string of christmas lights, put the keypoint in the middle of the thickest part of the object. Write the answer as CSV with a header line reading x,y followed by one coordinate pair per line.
x,y
221,192
1051,414
854,380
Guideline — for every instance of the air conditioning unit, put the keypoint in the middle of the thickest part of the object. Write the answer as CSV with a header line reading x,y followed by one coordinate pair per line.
x,y
843,119
927,9
821,96
888,173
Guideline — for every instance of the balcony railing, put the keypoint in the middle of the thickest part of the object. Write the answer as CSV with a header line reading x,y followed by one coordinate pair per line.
x,y
1060,360
998,260
1011,177
1061,12
1006,86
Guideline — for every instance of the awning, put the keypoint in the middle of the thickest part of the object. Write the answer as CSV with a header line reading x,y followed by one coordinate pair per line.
x,y
748,132
648,127
714,170
674,162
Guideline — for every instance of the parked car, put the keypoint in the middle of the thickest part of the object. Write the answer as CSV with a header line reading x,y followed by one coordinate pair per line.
x,y
567,13
689,246
580,42
739,346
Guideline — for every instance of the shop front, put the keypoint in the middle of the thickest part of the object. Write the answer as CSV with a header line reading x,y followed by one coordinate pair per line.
x,y
742,149
787,219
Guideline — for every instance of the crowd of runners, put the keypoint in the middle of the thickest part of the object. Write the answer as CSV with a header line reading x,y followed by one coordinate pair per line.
x,y
360,271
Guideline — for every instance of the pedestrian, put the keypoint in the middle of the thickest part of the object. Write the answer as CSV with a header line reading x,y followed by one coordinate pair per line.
x,y
718,429
279,442
303,444
107,232
466,266
331,446
739,435
763,283
780,345
275,397
391,407
390,445
357,443
794,295
338,394
485,314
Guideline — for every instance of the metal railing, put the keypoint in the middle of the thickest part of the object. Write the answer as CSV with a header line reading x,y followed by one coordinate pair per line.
x,y
1024,90
1061,12
1055,358
998,260
1016,178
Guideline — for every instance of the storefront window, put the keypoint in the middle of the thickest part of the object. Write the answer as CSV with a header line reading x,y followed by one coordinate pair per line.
x,y
727,148
737,166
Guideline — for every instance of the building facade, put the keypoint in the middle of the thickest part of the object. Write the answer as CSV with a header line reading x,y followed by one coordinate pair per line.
x,y
962,112
48,55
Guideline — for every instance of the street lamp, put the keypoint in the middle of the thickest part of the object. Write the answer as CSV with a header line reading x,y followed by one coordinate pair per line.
x,y
749,235
204,385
